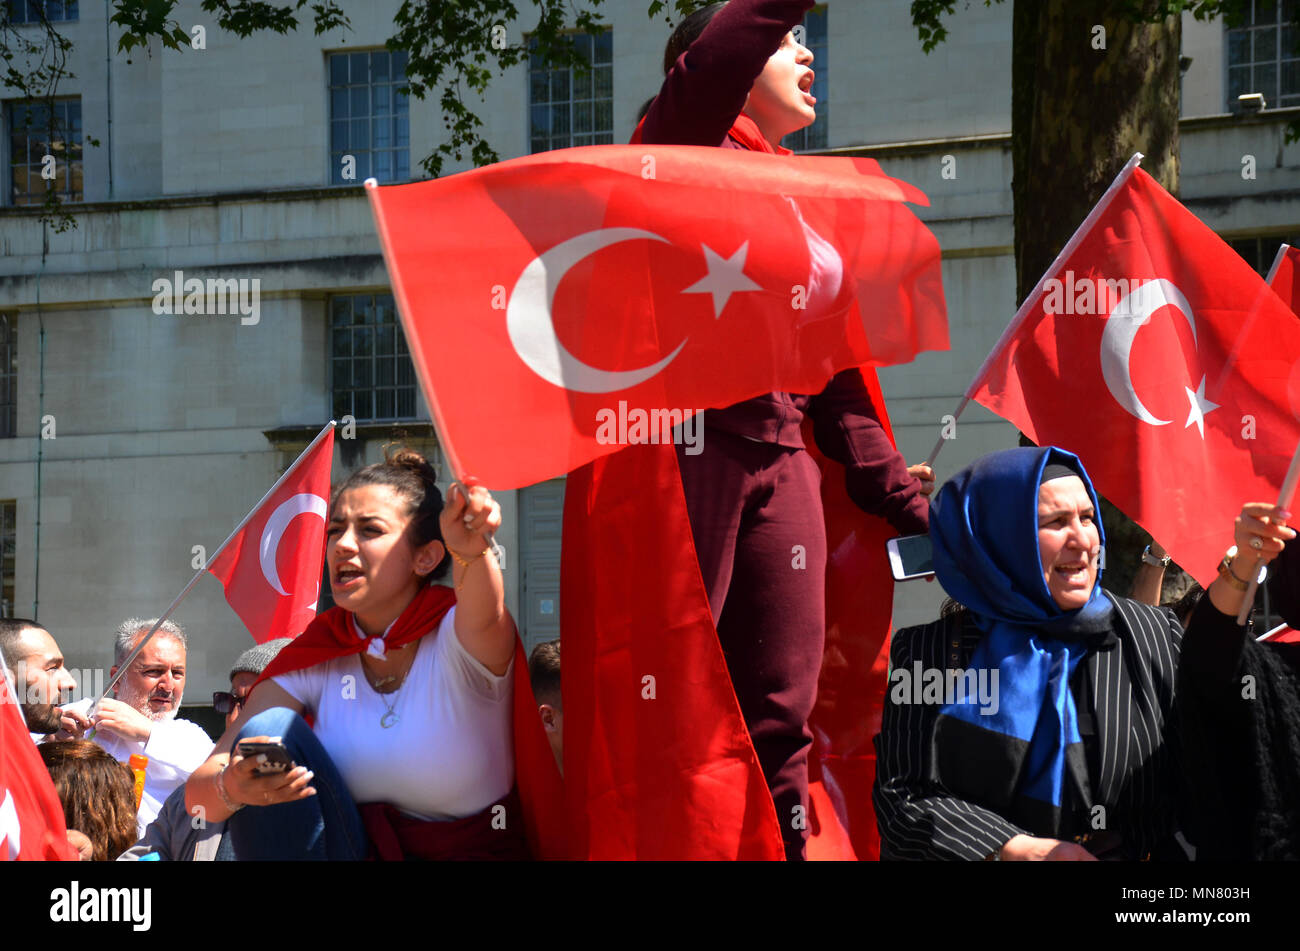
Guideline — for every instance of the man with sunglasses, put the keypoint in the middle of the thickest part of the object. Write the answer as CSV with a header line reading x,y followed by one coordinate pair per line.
x,y
175,835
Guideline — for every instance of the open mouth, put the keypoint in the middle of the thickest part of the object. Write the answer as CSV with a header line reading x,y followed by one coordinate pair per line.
x,y
1072,574
805,86
346,576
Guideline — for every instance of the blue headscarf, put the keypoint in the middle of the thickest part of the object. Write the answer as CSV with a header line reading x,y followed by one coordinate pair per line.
x,y
1018,758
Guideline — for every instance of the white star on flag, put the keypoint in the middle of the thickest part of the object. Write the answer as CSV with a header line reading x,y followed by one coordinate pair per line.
x,y
726,277
1199,407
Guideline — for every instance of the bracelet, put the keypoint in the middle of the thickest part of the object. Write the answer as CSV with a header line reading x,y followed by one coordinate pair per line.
x,y
221,791
466,562
1225,572
1153,561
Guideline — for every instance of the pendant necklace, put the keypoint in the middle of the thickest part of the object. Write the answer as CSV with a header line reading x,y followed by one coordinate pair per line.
x,y
390,717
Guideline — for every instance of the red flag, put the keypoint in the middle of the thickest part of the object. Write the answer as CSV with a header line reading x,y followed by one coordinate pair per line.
x,y
855,664
1157,355
271,565
561,305
658,763
1282,276
31,816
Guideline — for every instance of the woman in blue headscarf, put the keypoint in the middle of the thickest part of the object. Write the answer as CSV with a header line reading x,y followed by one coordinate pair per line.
x,y
1036,721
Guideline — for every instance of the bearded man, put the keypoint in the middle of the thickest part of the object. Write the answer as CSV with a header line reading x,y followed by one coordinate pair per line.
x,y
142,717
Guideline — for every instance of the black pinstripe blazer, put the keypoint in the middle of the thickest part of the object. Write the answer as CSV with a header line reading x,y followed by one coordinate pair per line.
x,y
1132,700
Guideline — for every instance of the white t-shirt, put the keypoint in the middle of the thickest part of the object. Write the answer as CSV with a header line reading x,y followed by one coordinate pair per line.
x,y
175,749
449,755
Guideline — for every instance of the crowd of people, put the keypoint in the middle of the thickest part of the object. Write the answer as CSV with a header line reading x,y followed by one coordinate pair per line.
x,y
384,730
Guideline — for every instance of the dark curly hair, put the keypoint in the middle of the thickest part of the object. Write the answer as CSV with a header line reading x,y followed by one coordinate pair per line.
x,y
97,793
408,474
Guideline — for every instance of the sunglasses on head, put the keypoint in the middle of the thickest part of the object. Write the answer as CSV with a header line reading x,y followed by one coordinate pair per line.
x,y
224,702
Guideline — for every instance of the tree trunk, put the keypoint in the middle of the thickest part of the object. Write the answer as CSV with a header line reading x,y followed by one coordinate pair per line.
x,y
1078,112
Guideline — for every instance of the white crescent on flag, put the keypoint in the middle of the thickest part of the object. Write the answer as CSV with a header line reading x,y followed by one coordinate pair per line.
x,y
304,503
10,830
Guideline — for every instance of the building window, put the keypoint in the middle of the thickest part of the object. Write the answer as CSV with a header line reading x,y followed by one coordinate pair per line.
x,y
815,136
369,117
569,107
1260,252
373,378
29,11
44,144
1263,55
8,548
8,376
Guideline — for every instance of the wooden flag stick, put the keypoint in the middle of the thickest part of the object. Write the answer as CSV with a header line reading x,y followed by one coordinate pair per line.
x,y
1283,500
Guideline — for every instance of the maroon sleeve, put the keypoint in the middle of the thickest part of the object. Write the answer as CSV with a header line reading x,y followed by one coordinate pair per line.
x,y
847,428
707,86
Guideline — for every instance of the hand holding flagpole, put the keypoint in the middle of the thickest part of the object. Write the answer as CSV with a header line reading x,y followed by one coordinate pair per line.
x,y
1283,501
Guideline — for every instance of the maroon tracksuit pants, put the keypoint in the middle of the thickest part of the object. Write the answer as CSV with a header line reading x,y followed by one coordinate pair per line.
x,y
756,516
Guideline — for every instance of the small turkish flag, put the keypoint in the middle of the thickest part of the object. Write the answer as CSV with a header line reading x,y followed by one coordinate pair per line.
x,y
271,565
1282,277
560,306
31,816
1159,357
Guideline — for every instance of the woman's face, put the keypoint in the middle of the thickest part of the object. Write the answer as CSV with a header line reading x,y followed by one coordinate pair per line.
x,y
781,100
375,569
1068,541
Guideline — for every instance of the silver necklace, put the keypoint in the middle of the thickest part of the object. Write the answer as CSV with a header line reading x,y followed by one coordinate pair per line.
x,y
390,717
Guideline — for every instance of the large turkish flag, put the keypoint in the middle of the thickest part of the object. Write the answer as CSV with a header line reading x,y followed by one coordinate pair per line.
x,y
1177,383
271,566
546,297
31,817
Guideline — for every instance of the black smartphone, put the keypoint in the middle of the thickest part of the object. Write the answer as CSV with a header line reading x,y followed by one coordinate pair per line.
x,y
278,759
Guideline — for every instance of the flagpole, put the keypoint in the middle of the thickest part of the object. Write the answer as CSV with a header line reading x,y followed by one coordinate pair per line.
x,y
1025,308
122,667
1277,262
1283,499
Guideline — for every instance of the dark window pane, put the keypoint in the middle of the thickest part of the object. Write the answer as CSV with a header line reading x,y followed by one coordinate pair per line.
x,y
359,101
384,404
384,339
381,100
361,374
341,311
362,404
399,65
339,136
538,87
604,116
1265,45
381,133
560,86
338,70
382,166
338,103
582,117
361,342
1266,80
342,346
582,85
379,63
541,120
604,48
604,82
405,372
402,173
342,374
342,403
1238,82
405,404
384,372
360,68
402,132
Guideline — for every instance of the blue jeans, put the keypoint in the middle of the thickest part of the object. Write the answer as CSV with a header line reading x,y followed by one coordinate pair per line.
x,y
322,827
